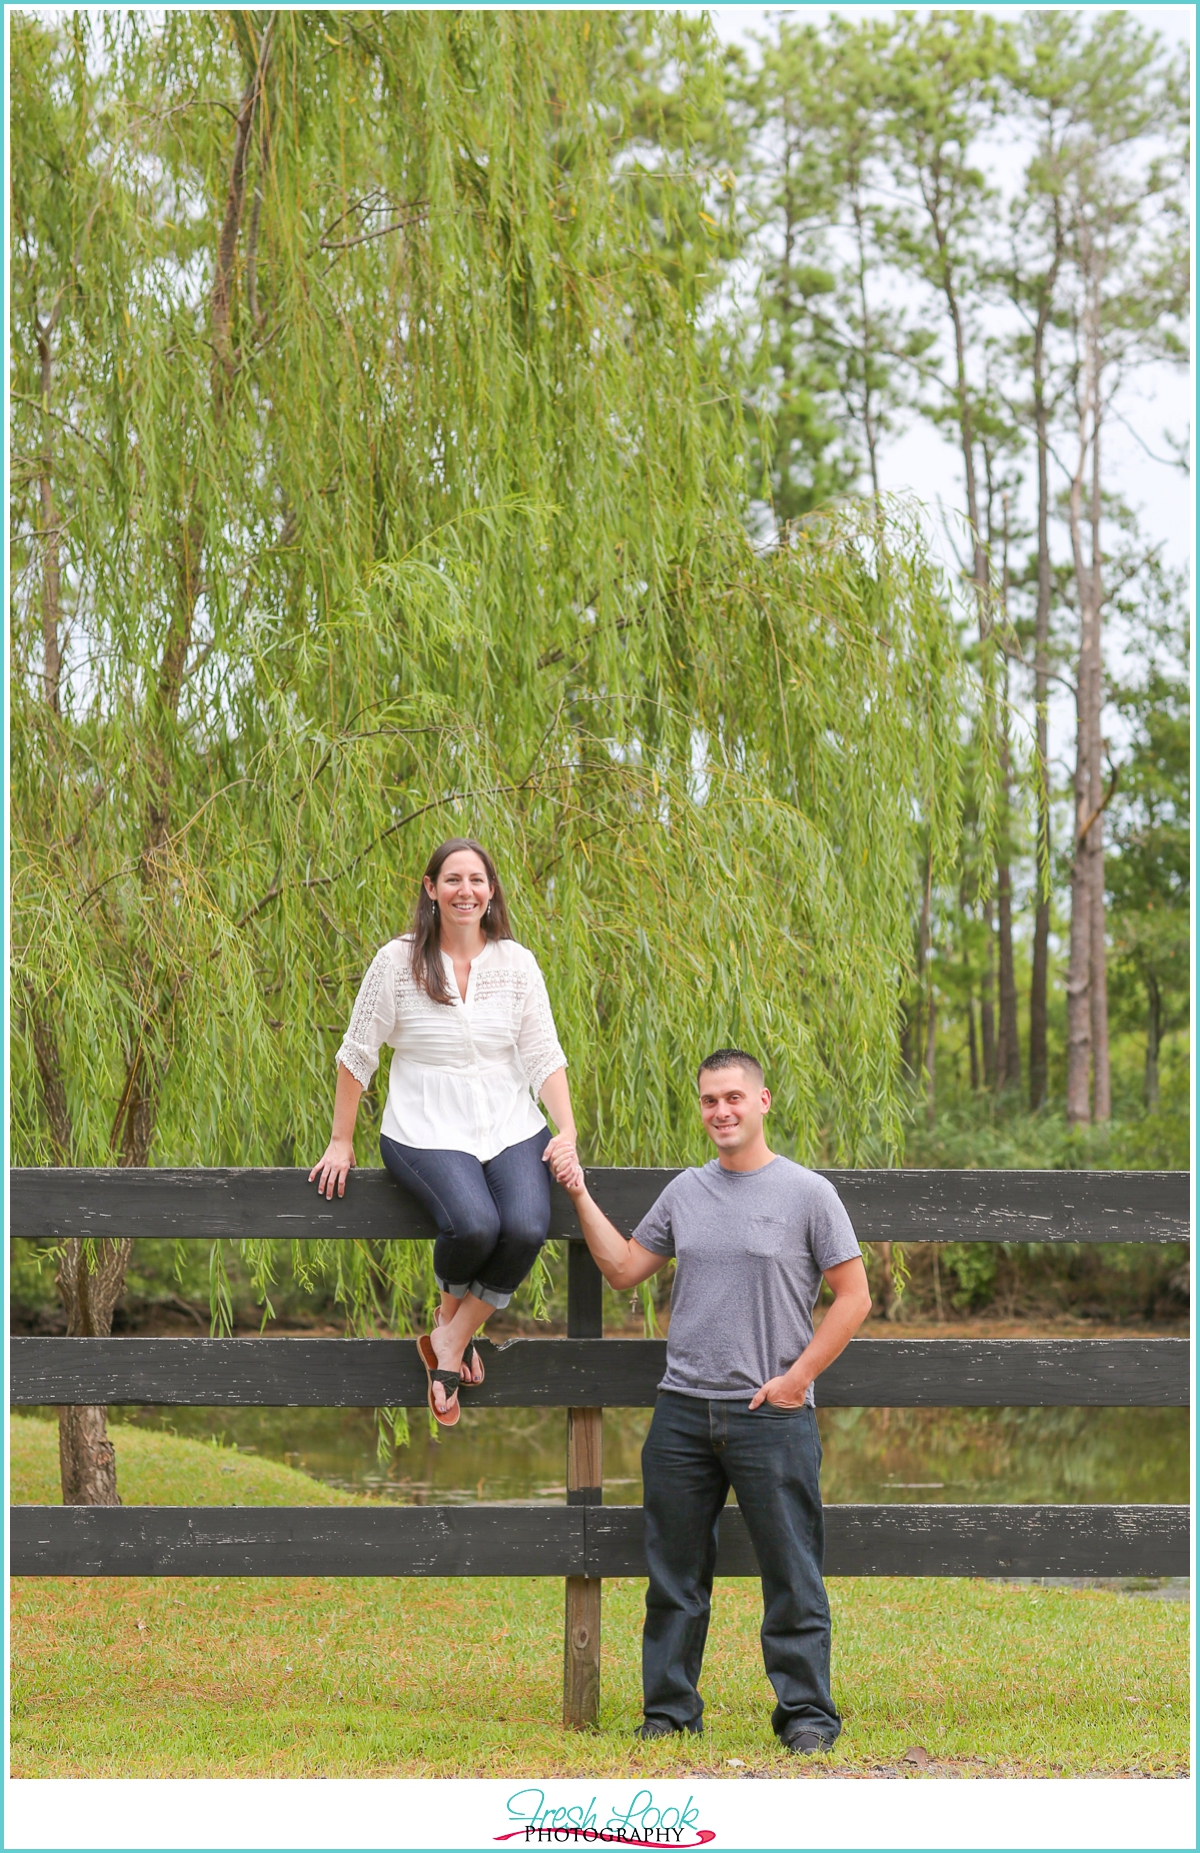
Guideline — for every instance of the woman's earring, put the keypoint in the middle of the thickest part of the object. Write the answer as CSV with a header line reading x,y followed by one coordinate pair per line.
x,y
487,912
435,907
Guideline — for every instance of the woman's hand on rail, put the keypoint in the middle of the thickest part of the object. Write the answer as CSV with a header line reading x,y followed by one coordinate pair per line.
x,y
334,1168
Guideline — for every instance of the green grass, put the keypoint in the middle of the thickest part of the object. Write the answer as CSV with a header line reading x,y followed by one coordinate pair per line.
x,y
141,1677
158,1469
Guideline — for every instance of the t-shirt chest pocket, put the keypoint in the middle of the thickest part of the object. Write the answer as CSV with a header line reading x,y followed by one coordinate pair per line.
x,y
764,1236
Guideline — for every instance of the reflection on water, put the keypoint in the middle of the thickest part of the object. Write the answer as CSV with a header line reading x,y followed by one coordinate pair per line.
x,y
1007,1456
1022,1456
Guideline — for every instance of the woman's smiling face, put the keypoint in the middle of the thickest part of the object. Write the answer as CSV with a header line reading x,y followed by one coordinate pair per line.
x,y
462,890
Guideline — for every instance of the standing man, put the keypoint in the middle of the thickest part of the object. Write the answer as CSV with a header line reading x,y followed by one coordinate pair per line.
x,y
752,1235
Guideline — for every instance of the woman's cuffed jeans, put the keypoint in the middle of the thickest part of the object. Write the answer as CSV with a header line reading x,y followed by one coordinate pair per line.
x,y
694,1452
491,1217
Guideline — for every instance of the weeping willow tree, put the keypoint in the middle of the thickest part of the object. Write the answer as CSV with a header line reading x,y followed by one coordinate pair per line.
x,y
374,480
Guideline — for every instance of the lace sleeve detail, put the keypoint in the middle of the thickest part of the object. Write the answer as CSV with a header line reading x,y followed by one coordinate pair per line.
x,y
372,1020
537,1039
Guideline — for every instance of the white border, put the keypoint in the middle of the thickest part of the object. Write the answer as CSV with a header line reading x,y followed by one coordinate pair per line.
x,y
470,1815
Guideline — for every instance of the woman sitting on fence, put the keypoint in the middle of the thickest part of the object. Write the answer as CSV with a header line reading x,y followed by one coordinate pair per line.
x,y
466,1011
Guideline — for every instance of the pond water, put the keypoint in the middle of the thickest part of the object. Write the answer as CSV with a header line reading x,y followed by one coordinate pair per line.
x,y
986,1456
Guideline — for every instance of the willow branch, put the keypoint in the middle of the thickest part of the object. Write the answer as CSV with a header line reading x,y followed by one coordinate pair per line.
x,y
25,398
327,881
399,225
234,199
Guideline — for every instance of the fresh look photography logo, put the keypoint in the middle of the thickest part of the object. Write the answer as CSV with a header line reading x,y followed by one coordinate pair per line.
x,y
642,1822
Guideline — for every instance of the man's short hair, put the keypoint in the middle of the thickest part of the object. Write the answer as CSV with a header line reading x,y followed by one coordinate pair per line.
x,y
732,1058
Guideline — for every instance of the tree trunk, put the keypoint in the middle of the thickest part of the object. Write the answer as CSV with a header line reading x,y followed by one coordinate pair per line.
x,y
869,430
922,965
987,1013
969,987
137,1110
981,575
972,1044
927,980
1079,1008
908,1040
1040,975
50,1081
222,288
1080,1017
1098,988
888,1306
1008,1042
1038,983
1153,1043
86,1457
966,434
90,1289
89,1293
918,1039
1039,978
1098,961
86,1460
930,1054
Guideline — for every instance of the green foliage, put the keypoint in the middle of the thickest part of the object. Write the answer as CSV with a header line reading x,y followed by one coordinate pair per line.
x,y
1149,875
973,1265
835,358
1115,1282
980,1129
389,502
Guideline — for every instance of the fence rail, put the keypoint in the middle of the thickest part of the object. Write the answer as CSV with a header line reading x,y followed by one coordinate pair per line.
x,y
621,1373
898,1206
584,1540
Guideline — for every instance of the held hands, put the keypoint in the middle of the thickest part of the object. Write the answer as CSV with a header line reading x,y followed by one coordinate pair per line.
x,y
563,1161
781,1392
334,1168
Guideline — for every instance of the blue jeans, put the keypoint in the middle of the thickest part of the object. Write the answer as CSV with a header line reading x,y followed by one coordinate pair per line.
x,y
492,1218
695,1451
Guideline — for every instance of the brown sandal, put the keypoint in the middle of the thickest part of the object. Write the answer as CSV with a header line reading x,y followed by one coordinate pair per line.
x,y
468,1359
450,1381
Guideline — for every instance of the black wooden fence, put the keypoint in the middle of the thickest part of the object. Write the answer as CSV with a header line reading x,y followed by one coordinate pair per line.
x,y
584,1541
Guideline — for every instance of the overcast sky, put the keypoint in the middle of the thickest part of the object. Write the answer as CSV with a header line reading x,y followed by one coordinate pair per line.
x,y
923,463
920,462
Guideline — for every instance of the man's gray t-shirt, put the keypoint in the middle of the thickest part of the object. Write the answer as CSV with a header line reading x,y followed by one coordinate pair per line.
x,y
750,1248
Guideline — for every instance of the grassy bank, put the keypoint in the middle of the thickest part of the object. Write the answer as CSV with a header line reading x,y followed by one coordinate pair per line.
x,y
339,1677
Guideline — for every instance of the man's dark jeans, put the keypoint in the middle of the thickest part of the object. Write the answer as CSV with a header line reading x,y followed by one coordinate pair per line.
x,y
694,1452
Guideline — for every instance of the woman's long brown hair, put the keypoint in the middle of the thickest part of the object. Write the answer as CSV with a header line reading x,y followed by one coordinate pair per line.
x,y
428,969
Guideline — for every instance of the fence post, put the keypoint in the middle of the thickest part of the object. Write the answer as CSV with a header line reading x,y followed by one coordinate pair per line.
x,y
585,1487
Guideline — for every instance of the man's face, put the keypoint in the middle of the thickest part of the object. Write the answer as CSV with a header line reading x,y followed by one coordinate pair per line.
x,y
732,1108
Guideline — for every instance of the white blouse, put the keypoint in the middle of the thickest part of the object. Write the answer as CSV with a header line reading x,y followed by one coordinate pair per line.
x,y
465,1074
